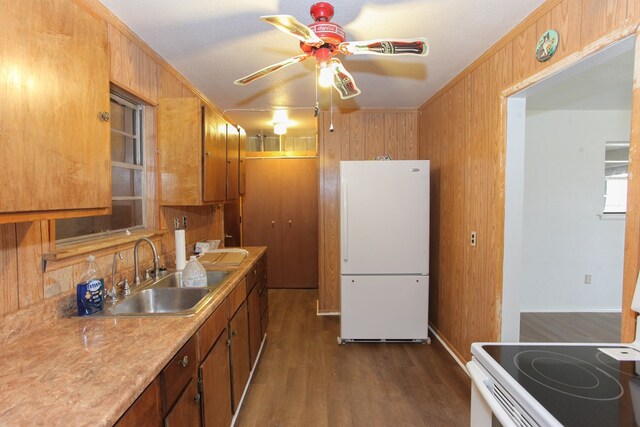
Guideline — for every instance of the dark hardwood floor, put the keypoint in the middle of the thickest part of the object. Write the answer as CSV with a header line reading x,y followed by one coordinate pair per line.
x,y
306,379
570,327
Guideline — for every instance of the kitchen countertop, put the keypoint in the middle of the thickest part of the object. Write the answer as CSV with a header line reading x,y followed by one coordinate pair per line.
x,y
87,371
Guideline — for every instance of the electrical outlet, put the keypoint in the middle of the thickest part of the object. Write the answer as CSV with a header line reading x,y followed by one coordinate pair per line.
x,y
587,279
176,223
474,238
184,221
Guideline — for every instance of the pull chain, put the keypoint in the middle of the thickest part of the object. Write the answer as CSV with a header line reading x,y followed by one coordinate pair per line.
x,y
316,109
331,97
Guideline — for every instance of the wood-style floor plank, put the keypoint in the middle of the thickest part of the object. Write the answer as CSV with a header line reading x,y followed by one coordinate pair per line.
x,y
306,379
570,327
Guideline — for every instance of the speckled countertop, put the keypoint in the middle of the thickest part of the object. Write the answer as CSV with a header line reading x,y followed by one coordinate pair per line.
x,y
88,371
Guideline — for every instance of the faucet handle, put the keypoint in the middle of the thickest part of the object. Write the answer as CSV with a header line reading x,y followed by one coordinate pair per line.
x,y
147,273
124,287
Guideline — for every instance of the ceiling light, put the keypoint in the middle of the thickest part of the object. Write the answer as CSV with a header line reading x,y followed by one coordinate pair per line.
x,y
279,128
326,75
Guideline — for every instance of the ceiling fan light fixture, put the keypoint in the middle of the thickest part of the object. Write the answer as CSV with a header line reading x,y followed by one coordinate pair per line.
x,y
280,128
326,75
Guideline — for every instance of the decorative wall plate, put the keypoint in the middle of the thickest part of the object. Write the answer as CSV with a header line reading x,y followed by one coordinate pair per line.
x,y
547,45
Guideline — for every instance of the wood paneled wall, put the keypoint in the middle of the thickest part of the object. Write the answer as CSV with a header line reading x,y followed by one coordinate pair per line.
x,y
138,70
462,132
361,135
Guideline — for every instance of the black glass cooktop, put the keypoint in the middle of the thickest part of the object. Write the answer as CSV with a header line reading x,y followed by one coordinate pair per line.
x,y
578,385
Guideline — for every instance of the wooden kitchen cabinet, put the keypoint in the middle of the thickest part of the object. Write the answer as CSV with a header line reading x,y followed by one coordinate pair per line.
x,y
186,411
286,221
193,152
215,375
242,170
55,156
233,162
239,349
255,336
146,410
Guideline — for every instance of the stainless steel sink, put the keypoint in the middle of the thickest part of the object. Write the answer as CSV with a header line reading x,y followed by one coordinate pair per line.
x,y
160,301
174,280
166,297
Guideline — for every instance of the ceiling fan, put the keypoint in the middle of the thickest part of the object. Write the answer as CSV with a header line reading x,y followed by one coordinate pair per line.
x,y
323,40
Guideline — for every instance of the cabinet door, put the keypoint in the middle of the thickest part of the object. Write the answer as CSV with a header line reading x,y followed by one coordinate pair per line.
x,y
255,337
215,156
232,223
242,172
233,157
180,150
239,335
299,224
216,385
262,212
54,149
146,411
186,411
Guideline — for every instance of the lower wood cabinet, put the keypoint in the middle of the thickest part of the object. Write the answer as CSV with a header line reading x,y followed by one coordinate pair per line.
x,y
186,412
203,383
215,377
239,335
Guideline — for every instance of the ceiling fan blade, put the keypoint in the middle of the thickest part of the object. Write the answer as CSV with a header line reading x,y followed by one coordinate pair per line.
x,y
292,26
270,69
416,46
343,81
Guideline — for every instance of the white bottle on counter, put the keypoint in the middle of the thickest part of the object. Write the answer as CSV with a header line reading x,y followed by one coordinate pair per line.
x,y
194,275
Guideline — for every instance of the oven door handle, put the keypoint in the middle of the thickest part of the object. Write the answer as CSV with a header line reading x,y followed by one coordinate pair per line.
x,y
481,382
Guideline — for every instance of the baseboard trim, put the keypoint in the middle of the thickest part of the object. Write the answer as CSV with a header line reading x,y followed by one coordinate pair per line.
x,y
325,312
570,310
451,352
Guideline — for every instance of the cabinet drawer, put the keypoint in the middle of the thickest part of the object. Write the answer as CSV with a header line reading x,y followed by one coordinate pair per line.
x,y
177,374
212,328
237,296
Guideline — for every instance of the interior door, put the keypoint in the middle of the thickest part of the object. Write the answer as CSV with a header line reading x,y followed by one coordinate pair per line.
x,y
232,224
300,223
262,212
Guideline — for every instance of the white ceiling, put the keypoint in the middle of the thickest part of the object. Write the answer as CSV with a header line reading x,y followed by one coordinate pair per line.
x,y
215,42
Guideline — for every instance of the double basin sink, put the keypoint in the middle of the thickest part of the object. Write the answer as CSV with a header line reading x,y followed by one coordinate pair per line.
x,y
166,297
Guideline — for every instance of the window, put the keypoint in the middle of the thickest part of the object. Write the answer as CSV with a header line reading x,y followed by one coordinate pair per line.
x,y
127,178
616,170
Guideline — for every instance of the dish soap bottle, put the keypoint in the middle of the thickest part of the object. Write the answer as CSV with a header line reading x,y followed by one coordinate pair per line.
x,y
90,290
194,274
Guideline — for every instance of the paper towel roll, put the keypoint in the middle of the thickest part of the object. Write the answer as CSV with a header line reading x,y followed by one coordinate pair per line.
x,y
181,257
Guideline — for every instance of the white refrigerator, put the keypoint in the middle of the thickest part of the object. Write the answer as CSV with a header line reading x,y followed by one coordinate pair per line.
x,y
384,250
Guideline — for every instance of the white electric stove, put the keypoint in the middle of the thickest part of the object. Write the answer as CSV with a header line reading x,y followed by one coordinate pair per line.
x,y
540,384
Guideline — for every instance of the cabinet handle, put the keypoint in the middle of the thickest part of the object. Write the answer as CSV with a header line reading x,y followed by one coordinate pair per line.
x,y
234,333
196,399
290,222
104,116
228,343
184,362
207,154
273,223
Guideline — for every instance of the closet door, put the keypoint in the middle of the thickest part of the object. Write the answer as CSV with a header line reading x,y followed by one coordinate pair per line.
x,y
299,223
262,210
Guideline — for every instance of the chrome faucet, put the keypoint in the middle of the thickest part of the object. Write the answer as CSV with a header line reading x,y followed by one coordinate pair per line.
x,y
156,260
112,295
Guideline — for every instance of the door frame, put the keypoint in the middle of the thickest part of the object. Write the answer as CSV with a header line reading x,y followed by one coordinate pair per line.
x,y
512,249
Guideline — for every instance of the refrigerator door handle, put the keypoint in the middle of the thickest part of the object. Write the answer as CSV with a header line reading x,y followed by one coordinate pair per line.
x,y
344,213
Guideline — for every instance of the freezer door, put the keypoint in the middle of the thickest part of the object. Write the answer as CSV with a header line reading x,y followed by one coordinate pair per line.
x,y
384,307
384,217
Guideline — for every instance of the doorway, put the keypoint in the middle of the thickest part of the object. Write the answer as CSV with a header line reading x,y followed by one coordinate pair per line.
x,y
564,248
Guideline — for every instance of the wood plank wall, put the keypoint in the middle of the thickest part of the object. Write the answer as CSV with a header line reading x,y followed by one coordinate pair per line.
x,y
361,135
137,70
462,132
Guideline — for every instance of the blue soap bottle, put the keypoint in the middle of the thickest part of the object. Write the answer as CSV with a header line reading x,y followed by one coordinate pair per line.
x,y
90,290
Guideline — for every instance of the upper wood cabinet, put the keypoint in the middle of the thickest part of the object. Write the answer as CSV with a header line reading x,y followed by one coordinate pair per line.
x,y
198,153
233,160
242,167
54,147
